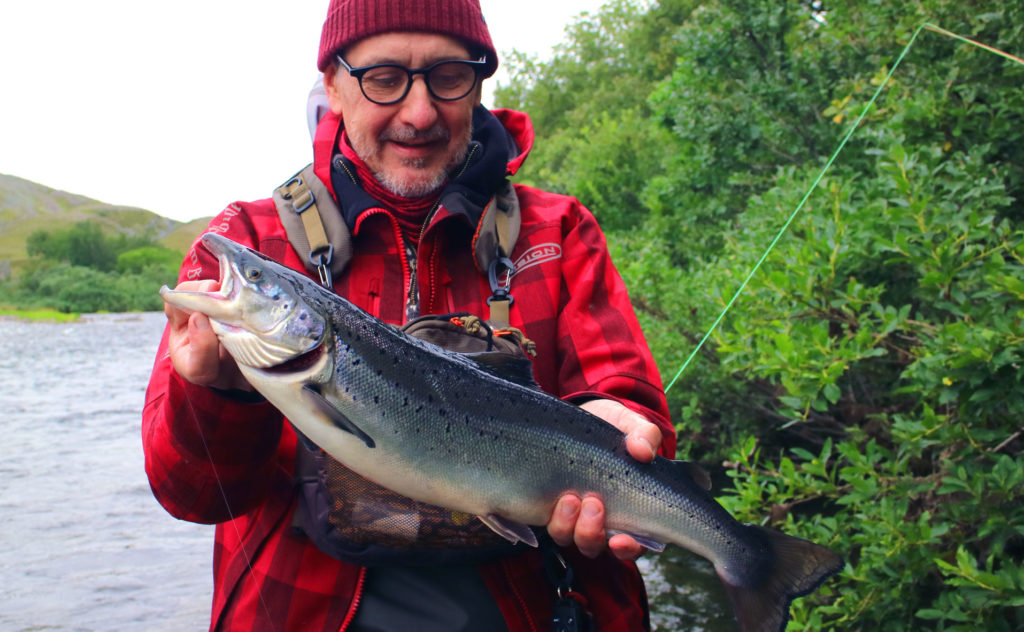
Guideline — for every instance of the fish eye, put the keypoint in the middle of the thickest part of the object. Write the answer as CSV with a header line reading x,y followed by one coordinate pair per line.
x,y
253,274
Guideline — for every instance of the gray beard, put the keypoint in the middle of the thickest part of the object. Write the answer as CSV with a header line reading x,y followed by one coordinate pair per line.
x,y
420,188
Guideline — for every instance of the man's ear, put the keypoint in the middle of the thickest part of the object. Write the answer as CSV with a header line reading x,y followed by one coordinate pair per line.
x,y
331,88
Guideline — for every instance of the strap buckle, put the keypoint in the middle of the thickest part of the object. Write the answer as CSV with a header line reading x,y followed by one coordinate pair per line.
x,y
322,259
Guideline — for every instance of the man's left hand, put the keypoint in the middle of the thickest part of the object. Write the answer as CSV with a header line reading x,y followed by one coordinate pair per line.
x,y
581,520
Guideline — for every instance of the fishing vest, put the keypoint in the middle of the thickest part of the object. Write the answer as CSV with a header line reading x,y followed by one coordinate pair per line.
x,y
346,515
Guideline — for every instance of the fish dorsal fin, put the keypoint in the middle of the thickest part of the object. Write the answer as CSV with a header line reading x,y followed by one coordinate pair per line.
x,y
505,366
514,532
336,416
695,472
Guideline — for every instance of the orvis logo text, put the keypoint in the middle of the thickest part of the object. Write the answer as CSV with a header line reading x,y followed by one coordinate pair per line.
x,y
538,255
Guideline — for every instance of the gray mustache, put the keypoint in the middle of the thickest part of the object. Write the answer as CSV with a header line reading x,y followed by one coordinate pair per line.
x,y
411,134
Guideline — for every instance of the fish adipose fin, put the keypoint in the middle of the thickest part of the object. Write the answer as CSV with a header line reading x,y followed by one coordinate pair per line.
x,y
798,567
514,532
695,472
336,416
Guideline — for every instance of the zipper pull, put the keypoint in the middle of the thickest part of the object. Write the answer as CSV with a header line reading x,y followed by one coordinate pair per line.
x,y
412,299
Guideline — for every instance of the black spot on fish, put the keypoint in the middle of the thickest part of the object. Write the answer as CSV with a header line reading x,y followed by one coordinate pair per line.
x,y
448,427
376,399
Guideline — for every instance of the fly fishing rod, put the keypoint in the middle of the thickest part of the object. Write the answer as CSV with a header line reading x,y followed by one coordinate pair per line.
x,y
824,170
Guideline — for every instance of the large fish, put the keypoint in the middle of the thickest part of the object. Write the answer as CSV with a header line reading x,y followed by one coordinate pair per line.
x,y
437,427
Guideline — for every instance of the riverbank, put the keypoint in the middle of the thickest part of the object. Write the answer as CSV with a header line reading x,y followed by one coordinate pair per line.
x,y
38,315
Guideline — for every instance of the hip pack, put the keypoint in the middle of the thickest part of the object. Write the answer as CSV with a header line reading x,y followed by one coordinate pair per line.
x,y
355,520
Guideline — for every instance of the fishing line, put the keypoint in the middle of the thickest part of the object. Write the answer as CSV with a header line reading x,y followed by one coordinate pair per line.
x,y
821,176
234,524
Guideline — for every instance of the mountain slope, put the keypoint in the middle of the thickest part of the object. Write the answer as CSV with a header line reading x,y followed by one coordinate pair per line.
x,y
26,206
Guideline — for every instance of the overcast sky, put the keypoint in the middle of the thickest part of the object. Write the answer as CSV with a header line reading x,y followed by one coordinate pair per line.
x,y
183,107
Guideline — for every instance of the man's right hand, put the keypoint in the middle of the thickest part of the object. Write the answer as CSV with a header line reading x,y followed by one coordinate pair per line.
x,y
195,351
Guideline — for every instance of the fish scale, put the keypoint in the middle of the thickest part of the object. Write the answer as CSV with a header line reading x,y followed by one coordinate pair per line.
x,y
437,427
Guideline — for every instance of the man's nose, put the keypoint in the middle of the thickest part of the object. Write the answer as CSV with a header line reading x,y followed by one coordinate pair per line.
x,y
419,109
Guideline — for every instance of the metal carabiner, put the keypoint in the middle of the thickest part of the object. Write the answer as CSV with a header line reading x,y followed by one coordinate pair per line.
x,y
500,291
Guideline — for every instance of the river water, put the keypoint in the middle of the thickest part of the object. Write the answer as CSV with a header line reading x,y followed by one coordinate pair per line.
x,y
83,544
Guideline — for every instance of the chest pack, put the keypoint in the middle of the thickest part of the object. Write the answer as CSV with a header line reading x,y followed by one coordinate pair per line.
x,y
346,515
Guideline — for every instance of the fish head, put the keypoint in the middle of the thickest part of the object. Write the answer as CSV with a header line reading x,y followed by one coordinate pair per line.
x,y
258,315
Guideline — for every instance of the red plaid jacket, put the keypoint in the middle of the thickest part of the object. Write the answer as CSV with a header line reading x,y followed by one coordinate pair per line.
x,y
215,459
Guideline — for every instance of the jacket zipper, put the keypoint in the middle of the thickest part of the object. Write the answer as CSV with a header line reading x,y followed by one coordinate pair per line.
x,y
356,598
408,260
519,597
412,298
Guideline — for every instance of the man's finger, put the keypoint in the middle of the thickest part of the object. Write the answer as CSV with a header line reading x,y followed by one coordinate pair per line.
x,y
563,519
590,534
625,547
642,436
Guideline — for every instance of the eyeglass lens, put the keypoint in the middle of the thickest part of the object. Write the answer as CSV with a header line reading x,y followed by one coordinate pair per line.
x,y
447,80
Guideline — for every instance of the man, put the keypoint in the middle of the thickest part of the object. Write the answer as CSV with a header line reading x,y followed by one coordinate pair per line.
x,y
413,160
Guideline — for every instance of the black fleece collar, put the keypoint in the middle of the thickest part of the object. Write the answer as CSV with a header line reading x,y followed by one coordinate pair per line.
x,y
472,186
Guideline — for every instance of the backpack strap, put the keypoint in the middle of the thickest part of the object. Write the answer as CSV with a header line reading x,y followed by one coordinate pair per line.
x,y
492,246
314,225
318,233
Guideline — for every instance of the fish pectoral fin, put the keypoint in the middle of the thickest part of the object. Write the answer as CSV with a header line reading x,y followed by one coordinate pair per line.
x,y
514,532
644,541
695,472
336,416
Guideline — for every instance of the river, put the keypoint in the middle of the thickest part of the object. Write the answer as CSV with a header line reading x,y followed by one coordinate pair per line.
x,y
83,544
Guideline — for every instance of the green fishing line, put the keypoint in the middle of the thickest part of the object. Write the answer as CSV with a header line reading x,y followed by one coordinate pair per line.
x,y
821,175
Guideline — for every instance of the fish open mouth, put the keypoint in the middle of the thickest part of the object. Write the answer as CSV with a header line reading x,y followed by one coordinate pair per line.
x,y
299,363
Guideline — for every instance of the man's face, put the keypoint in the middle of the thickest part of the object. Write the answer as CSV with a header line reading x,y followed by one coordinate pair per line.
x,y
410,146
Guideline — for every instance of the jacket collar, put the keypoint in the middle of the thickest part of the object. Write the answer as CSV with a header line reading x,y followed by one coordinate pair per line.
x,y
501,141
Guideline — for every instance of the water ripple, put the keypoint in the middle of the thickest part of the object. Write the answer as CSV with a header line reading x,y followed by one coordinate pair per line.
x,y
84,545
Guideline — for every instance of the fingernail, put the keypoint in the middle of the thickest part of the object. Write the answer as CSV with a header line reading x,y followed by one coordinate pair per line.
x,y
202,324
590,510
648,445
569,509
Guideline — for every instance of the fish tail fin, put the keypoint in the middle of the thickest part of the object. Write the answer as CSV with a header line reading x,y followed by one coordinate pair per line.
x,y
797,567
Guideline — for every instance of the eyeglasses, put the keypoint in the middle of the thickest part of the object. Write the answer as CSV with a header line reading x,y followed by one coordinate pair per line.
x,y
387,84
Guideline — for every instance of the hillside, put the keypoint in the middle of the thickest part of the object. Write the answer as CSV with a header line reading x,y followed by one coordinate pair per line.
x,y
26,206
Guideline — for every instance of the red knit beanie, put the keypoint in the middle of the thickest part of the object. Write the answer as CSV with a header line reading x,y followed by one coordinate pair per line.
x,y
349,21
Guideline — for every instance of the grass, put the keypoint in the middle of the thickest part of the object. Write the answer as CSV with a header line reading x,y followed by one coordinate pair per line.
x,y
38,315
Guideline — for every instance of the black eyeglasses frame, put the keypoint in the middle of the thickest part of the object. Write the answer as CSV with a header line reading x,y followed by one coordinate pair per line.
x,y
478,66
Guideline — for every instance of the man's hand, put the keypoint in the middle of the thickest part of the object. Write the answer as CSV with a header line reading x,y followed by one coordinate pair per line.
x,y
581,520
195,351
